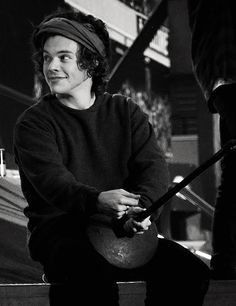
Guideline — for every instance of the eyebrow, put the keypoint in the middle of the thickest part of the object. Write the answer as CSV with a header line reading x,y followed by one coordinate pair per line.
x,y
61,51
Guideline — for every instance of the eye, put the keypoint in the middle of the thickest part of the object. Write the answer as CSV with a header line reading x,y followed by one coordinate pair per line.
x,y
46,58
64,57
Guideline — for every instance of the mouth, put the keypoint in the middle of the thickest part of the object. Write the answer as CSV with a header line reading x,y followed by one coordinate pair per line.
x,y
55,78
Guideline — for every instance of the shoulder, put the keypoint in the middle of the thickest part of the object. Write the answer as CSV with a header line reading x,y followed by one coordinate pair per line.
x,y
36,115
122,101
119,98
38,108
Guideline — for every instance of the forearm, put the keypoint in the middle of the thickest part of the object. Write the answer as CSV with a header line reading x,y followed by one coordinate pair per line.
x,y
149,174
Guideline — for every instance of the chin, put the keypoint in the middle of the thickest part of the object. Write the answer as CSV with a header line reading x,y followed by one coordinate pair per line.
x,y
55,90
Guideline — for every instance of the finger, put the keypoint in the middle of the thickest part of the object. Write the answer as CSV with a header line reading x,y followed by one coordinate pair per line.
x,y
140,226
120,214
130,201
129,194
122,208
135,210
133,195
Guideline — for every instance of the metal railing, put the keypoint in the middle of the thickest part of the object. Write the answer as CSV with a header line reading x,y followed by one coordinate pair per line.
x,y
16,95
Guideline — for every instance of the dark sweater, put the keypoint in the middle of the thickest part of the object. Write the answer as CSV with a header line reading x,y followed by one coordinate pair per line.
x,y
66,157
213,27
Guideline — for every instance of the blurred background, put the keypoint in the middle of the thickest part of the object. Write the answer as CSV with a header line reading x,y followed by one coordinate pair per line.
x,y
151,62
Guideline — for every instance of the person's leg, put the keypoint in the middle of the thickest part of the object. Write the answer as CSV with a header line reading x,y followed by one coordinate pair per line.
x,y
85,276
82,274
224,222
175,276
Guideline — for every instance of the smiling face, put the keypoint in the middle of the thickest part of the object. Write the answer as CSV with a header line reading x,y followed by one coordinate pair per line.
x,y
60,66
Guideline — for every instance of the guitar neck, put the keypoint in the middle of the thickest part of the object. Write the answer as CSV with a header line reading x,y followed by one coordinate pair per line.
x,y
196,200
229,146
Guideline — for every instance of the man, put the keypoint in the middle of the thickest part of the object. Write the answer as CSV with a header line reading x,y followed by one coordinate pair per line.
x,y
213,53
83,152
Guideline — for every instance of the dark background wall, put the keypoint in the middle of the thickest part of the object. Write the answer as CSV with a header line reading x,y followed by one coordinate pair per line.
x,y
190,112
17,19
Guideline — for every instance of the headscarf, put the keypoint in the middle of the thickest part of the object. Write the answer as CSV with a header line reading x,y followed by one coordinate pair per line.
x,y
70,29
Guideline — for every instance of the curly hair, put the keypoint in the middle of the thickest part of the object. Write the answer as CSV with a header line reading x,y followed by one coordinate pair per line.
x,y
96,65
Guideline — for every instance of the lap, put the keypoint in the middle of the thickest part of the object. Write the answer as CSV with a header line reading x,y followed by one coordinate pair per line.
x,y
173,270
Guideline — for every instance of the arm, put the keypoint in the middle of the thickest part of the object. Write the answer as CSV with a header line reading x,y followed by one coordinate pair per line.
x,y
41,165
149,175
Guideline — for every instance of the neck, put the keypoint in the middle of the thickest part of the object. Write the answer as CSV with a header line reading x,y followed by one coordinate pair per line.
x,y
80,98
79,101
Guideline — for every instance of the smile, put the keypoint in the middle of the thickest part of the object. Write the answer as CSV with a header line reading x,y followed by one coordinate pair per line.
x,y
58,78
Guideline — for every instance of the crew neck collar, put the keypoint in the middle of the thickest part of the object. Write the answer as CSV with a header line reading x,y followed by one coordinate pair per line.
x,y
92,108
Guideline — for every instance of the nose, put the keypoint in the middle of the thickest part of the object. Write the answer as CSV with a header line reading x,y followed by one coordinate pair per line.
x,y
54,65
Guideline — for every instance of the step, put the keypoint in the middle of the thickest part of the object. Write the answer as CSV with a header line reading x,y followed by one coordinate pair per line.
x,y
131,294
220,293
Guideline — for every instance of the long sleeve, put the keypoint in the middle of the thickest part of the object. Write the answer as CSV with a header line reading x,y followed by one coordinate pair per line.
x,y
148,169
66,157
44,173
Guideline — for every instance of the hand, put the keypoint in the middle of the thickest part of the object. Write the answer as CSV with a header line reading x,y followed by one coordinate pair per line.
x,y
115,203
134,227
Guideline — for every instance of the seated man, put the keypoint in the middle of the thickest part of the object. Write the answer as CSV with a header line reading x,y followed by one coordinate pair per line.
x,y
82,152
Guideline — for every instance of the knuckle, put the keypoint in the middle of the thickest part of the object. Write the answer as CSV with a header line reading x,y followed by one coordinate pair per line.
x,y
121,201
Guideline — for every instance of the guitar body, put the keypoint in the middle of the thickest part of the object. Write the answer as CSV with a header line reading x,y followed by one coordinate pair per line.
x,y
129,253
123,252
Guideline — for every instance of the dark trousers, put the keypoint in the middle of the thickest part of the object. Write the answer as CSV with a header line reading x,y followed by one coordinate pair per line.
x,y
224,222
174,276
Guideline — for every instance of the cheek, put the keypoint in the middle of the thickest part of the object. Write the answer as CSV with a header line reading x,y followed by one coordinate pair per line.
x,y
79,75
44,70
